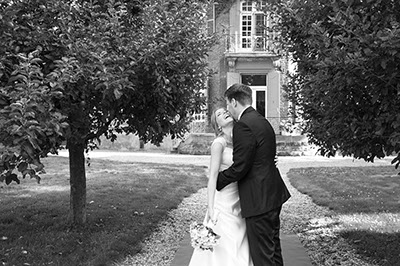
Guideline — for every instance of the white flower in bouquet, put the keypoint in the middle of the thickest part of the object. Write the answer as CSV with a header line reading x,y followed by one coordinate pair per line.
x,y
203,237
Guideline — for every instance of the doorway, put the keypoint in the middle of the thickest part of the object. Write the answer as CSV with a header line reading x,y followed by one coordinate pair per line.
x,y
258,84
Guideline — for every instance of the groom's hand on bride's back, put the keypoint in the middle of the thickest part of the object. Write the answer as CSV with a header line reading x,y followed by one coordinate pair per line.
x,y
276,160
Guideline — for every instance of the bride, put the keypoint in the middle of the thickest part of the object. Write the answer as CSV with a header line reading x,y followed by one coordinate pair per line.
x,y
223,212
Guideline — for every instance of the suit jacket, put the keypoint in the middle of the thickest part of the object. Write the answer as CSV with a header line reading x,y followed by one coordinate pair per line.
x,y
261,187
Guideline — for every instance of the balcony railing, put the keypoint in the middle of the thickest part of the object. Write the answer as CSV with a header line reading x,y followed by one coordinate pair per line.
x,y
235,43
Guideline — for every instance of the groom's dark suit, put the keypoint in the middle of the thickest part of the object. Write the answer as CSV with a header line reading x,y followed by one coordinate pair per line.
x,y
261,188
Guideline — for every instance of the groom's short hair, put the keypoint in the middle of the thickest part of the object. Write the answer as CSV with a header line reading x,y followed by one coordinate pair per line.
x,y
240,92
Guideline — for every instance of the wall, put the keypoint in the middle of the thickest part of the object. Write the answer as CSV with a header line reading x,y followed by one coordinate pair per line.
x,y
132,143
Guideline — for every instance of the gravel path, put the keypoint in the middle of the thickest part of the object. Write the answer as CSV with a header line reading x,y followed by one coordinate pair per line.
x,y
315,225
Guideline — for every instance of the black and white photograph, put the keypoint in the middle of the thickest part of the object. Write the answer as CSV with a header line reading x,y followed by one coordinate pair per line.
x,y
199,133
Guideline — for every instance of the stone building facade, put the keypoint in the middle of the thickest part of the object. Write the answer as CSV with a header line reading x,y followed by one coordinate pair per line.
x,y
245,54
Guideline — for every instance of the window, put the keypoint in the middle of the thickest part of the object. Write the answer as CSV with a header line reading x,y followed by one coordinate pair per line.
x,y
260,102
199,117
256,26
258,83
260,32
247,6
246,31
254,80
202,115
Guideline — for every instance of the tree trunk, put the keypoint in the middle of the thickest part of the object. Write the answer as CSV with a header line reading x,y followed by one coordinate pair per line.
x,y
77,213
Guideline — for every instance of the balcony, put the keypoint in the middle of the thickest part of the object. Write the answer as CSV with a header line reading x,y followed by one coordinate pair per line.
x,y
251,46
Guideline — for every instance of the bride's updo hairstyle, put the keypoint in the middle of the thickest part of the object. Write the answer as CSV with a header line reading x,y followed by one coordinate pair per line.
x,y
214,125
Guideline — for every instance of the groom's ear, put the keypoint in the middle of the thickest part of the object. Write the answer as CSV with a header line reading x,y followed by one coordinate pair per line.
x,y
233,102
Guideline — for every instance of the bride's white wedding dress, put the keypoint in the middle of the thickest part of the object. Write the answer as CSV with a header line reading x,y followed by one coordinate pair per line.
x,y
233,247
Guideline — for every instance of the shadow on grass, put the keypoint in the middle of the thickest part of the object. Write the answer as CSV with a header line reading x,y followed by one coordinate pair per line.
x,y
125,202
379,248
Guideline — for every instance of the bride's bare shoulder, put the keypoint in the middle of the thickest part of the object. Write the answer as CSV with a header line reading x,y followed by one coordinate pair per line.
x,y
221,140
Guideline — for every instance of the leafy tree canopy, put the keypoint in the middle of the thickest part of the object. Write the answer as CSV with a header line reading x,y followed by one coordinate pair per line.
x,y
72,71
348,73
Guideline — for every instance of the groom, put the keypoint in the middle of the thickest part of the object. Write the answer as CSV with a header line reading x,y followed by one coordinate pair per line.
x,y
261,188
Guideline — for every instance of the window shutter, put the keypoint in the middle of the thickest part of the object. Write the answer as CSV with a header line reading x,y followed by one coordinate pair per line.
x,y
211,18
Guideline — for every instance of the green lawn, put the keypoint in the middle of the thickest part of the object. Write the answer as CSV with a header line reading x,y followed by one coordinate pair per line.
x,y
367,203
125,203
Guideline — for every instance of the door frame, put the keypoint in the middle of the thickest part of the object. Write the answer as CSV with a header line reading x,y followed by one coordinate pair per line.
x,y
258,88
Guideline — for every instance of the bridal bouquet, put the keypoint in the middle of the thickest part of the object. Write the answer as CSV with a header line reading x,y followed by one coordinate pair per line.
x,y
203,237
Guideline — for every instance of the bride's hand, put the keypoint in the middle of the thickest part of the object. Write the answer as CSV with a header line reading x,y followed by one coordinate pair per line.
x,y
210,216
